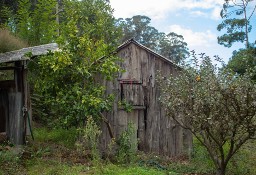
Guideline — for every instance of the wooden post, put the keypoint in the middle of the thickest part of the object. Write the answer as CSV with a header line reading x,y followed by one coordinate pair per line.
x,y
16,103
16,120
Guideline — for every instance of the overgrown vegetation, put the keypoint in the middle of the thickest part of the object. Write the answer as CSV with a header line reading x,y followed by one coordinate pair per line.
x,y
67,97
9,42
89,139
55,152
127,145
217,106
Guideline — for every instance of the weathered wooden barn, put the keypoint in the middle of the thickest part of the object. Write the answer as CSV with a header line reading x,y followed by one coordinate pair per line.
x,y
138,87
14,91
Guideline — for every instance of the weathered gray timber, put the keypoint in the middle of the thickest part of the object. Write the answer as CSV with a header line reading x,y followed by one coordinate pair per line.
x,y
14,93
27,53
138,86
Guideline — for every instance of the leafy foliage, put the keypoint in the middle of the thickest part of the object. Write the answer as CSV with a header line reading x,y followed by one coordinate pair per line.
x,y
68,79
126,145
36,24
8,8
171,45
89,138
243,60
218,107
237,16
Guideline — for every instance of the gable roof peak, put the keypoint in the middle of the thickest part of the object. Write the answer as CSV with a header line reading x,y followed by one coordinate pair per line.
x,y
132,40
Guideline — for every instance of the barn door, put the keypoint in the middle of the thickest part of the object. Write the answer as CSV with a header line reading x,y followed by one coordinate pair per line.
x,y
133,93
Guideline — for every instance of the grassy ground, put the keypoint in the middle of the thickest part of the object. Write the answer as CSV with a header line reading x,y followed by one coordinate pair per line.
x,y
54,153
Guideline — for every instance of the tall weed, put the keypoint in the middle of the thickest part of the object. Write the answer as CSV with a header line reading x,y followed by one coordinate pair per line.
x,y
127,146
89,138
9,42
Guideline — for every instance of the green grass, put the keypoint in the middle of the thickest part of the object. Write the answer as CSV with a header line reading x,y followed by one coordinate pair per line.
x,y
111,169
59,136
53,152
50,167
244,162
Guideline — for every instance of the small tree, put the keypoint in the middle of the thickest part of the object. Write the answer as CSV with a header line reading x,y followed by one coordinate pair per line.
x,y
218,107
69,81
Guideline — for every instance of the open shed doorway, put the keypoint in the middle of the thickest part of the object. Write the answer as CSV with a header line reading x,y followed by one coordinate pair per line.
x,y
3,110
6,86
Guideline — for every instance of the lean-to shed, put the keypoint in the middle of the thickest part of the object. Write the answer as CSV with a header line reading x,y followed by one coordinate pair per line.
x,y
137,87
14,91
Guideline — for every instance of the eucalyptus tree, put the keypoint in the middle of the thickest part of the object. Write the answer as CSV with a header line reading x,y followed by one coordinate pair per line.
x,y
237,18
174,47
138,27
171,45
36,22
236,15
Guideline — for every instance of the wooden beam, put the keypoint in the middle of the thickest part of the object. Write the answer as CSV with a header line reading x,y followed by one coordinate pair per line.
x,y
9,68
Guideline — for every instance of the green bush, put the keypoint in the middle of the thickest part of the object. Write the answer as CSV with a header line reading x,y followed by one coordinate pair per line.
x,y
89,139
126,145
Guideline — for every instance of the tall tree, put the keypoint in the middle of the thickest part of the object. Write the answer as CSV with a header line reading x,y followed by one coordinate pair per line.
x,y
33,21
243,60
12,7
138,28
67,79
237,15
171,45
36,22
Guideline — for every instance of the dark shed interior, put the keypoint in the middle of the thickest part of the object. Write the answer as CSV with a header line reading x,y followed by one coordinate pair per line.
x,y
14,91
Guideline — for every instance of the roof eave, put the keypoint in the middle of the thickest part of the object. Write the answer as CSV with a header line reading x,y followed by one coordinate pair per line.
x,y
148,49
27,53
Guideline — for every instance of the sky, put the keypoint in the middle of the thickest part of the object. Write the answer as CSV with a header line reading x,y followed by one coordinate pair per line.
x,y
196,20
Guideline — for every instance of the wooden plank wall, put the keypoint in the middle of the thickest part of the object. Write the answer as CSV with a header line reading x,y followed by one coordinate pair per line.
x,y
15,94
16,120
156,132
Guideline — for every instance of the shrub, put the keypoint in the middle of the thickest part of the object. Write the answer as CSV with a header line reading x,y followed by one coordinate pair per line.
x,y
9,42
126,145
89,138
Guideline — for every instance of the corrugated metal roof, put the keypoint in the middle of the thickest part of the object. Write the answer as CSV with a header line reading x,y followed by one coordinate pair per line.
x,y
27,53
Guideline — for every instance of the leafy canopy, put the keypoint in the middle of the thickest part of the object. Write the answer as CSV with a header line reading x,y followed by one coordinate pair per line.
x,y
171,46
71,80
243,60
236,20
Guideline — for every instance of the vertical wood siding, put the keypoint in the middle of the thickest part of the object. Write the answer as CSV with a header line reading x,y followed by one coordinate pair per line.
x,y
156,133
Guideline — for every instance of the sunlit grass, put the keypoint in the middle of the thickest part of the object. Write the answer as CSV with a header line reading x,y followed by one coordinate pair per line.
x,y
58,136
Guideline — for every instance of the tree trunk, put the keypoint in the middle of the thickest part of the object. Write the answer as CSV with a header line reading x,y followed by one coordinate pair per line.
x,y
221,170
